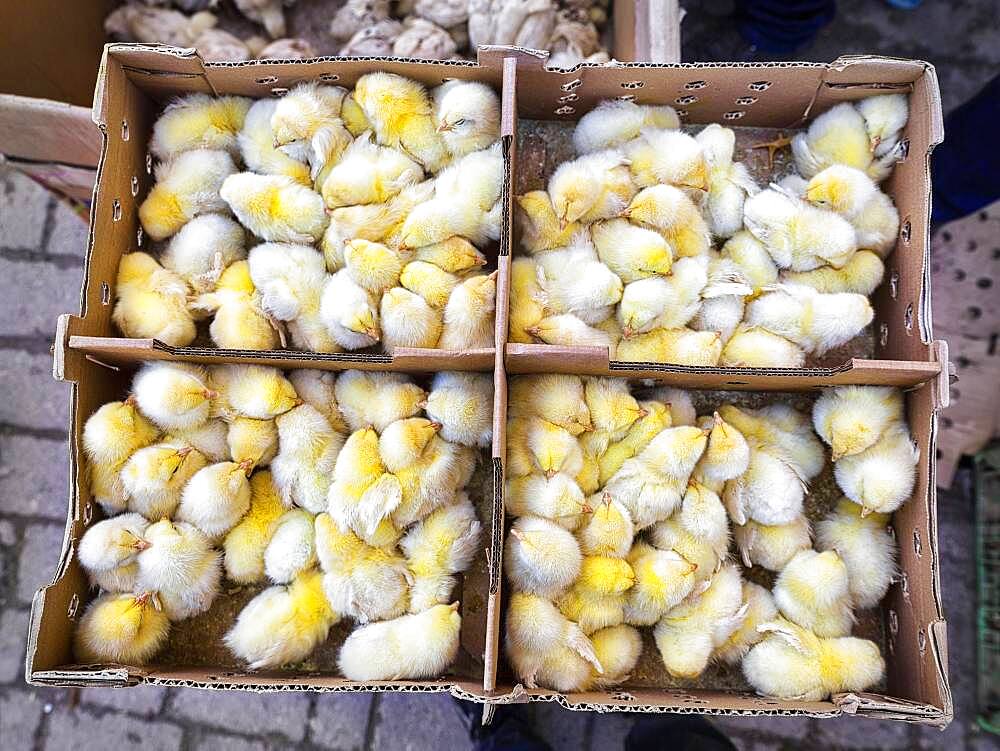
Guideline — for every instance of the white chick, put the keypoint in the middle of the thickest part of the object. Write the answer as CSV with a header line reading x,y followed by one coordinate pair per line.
x,y
254,391
127,629
181,567
591,187
436,549
667,302
469,314
216,498
674,215
663,579
175,396
198,121
557,498
377,399
881,478
151,302
583,285
256,142
186,186
667,157
608,531
672,535
292,549
463,404
467,114
755,347
862,274
307,454
783,427
568,330
770,491
153,477
369,173
772,546
238,321
840,136
760,609
853,195
350,312
317,388
702,514
108,552
812,591
851,419
541,557
727,455
752,259
203,248
815,321
306,122
729,182
613,123
866,547
407,320
682,411
885,117
275,207
115,431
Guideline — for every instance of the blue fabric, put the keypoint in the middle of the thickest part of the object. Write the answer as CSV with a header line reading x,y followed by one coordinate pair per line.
x,y
782,26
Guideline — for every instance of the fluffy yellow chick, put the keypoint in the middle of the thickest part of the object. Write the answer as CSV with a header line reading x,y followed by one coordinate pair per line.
x,y
541,229
283,624
108,551
115,431
541,557
362,493
377,399
153,477
727,455
855,196
568,330
752,259
422,645
353,116
151,302
369,173
186,186
666,302
198,121
556,398
455,255
275,207
557,498
468,316
782,426
667,157
216,498
770,491
350,312
318,389
866,547
662,579
181,567
433,480
306,122
613,123
402,115
467,114
597,599
850,419
575,281
672,535
636,438
755,347
760,609
360,581
688,634
238,320
815,321
552,449
591,187
772,546
681,346
431,282
439,547
682,411
307,453
631,252
793,663
106,486
881,478
254,441
407,320
728,182
373,266
613,410
463,404
812,592
175,396
126,629
838,136
203,248
703,515
292,547
245,543
254,391
670,212
618,649
885,117
401,444
862,275
256,142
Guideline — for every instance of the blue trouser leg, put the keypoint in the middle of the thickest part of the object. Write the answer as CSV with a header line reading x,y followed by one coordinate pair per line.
x,y
781,26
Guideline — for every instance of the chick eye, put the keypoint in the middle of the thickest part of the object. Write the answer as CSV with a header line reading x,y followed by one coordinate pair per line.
x,y
460,121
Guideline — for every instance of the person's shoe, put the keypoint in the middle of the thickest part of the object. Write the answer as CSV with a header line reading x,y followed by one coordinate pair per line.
x,y
510,729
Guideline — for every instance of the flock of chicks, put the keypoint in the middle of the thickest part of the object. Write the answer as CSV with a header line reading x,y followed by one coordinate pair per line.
x,y
398,187
345,492
622,520
621,245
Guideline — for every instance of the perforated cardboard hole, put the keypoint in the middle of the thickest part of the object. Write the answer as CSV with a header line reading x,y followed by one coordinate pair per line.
x,y
682,113
894,284
570,85
745,101
921,641
279,91
74,605
733,115
908,319
565,110
759,85
88,513
893,622
266,80
139,237
917,544
625,98
330,77
125,133
135,186
105,293
695,85
689,99
116,210
904,584
904,231
568,98
883,334
622,696
149,164
633,84
904,149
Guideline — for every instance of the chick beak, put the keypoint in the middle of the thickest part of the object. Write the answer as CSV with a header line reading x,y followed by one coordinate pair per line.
x,y
297,403
628,332
210,394
454,606
422,404
130,400
706,431
549,474
494,275
435,426
275,143
247,466
643,412
563,223
183,451
606,500
692,567
373,333
141,545
141,600
874,144
444,127
586,509
328,210
626,213
588,428
533,331
865,511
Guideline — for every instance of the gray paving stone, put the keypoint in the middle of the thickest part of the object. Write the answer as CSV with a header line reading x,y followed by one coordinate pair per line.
x,y
608,731
69,233
20,715
561,728
793,728
283,713
217,742
40,551
860,732
8,534
340,721
78,729
140,700
23,204
34,477
415,722
23,374
13,638
35,294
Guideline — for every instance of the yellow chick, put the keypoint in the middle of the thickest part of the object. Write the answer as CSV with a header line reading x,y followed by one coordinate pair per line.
x,y
681,346
662,579
881,478
431,282
256,143
433,480
851,419
885,117
306,122
245,543
672,535
795,664
853,195
682,411
401,444
402,115
613,123
369,173
115,431
838,136
770,491
283,624
439,547
865,546
421,645
608,531
772,546
631,252
254,391
181,566
362,493
752,259
667,157
618,649
613,410
862,275
812,592
636,438
552,449
568,330
575,281
153,477
407,320
377,399
151,302
360,581
454,255
556,398
463,404
541,229
353,116
216,498
308,448
254,441
106,487
760,610
728,182
703,515
688,634
591,187
467,114
557,498
373,266
275,207
755,347
815,321
350,312
175,396
589,476
238,320
727,455
541,557
784,427
125,629
597,599
292,547
186,186
198,121
670,212
469,314
203,249
108,551
318,389
668,302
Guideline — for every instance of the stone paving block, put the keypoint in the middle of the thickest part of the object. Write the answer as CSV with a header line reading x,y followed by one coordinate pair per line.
x,y
40,551
141,700
340,721
20,715
561,728
861,732
34,476
792,728
608,731
69,233
217,742
23,205
8,534
283,713
80,730
35,398
35,294
13,639
415,722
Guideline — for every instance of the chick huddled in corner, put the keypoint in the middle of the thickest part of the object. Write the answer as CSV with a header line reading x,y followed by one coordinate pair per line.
x,y
345,493
325,221
630,511
657,246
